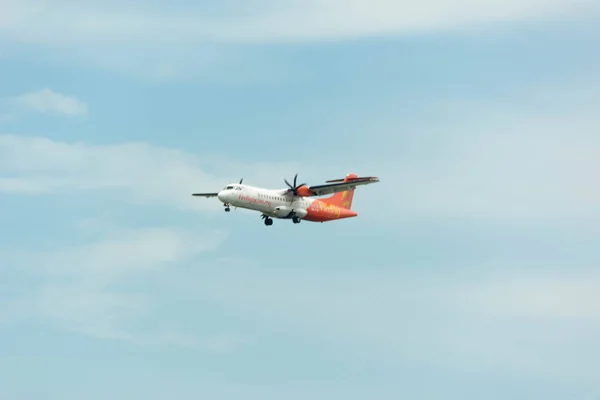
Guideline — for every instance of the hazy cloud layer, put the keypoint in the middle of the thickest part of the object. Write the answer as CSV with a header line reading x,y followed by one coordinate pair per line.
x,y
203,41
490,162
48,101
261,21
540,326
436,291
78,292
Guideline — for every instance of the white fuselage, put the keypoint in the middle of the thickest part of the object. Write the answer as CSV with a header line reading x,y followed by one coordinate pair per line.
x,y
275,203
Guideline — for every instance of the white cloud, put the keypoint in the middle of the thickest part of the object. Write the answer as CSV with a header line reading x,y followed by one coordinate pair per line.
x,y
126,253
77,292
532,159
201,41
149,174
312,20
48,101
283,20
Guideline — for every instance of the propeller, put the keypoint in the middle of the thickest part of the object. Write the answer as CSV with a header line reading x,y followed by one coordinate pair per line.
x,y
294,188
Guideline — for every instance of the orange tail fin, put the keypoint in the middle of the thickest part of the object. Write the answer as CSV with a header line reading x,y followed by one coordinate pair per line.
x,y
342,199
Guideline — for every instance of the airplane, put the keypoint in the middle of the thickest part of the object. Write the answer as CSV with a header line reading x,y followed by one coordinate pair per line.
x,y
295,202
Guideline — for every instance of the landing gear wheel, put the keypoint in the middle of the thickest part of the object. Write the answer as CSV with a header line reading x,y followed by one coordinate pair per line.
x,y
227,209
268,221
296,220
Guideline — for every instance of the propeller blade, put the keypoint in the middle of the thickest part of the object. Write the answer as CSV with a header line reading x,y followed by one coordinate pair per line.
x,y
241,180
293,188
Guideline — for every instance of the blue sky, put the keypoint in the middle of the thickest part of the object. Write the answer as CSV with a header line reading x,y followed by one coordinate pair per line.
x,y
470,272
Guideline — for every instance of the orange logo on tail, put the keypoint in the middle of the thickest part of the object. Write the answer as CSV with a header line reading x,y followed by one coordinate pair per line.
x,y
346,203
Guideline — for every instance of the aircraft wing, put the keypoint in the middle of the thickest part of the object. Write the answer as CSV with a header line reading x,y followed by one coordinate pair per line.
x,y
205,194
321,190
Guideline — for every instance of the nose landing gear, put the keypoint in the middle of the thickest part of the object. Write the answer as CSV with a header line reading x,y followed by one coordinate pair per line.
x,y
227,209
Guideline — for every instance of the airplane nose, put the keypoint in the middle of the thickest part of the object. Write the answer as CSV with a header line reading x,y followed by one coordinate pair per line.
x,y
221,196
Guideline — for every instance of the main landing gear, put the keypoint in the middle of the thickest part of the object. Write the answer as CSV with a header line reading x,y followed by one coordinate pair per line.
x,y
269,220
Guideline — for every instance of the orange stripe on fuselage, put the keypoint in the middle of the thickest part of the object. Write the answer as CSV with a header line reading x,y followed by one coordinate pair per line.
x,y
320,211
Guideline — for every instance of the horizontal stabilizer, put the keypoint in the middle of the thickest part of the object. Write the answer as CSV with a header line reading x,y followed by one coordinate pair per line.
x,y
364,178
205,194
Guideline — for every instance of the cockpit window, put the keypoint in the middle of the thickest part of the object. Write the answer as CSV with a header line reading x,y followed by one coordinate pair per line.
x,y
230,187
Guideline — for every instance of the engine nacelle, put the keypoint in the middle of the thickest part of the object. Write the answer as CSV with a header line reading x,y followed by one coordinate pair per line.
x,y
282,211
300,213
304,191
289,212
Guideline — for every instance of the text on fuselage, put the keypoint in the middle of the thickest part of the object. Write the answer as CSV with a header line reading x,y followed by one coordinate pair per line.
x,y
252,200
